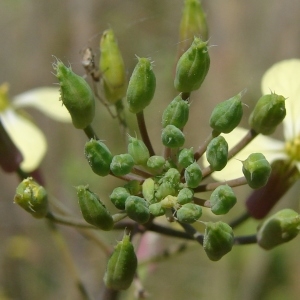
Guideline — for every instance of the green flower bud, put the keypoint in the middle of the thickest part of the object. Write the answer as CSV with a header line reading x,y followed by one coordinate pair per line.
x,y
98,156
121,266
268,112
192,67
76,95
169,202
138,150
32,197
172,176
193,175
118,197
172,137
217,153
112,68
227,114
189,213
256,170
121,164
185,195
141,86
156,209
93,210
165,189
218,240
156,163
176,113
186,157
278,229
133,186
148,189
137,209
222,199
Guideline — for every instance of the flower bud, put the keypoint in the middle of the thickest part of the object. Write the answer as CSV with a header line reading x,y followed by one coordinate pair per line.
x,y
185,195
217,153
222,199
256,170
141,86
121,164
98,156
137,209
172,137
148,189
32,197
164,190
268,112
93,210
76,95
186,157
172,176
278,229
156,163
133,187
227,114
169,202
138,150
119,196
156,209
189,213
192,67
193,175
218,240
121,266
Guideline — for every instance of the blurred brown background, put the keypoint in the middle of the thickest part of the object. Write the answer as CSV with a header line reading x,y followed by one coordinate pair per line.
x,y
247,37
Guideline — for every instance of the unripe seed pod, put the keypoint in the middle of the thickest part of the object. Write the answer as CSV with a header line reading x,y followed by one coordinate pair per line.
x,y
156,209
156,163
186,157
278,229
227,114
137,209
222,199
121,266
76,95
32,197
256,170
118,197
189,213
217,153
165,189
98,156
93,210
176,113
172,137
121,164
141,86
148,189
133,187
185,196
218,240
192,67
138,150
193,175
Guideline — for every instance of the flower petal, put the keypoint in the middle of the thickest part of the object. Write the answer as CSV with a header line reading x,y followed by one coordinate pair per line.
x,y
46,99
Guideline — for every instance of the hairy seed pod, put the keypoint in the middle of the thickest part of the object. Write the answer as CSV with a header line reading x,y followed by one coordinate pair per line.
x,y
156,163
172,137
121,164
121,266
185,195
137,209
118,197
193,175
189,213
148,189
156,209
138,150
217,153
186,157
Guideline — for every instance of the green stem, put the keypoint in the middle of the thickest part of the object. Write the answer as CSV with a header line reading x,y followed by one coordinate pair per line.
x,y
239,220
90,133
245,239
202,148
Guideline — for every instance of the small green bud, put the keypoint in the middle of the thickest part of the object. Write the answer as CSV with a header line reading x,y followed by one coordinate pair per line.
x,y
156,209
217,153
137,209
222,199
98,156
141,86
172,176
148,189
186,157
169,202
133,186
138,150
218,240
193,175
256,170
176,113
76,95
185,195
118,197
189,213
165,189
268,112
32,197
121,266
172,137
227,114
93,210
156,163
278,229
121,164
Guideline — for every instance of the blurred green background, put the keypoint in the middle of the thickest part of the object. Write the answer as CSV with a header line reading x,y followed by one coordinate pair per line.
x,y
246,38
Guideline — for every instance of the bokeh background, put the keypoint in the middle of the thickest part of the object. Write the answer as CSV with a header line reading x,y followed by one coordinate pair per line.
x,y
246,38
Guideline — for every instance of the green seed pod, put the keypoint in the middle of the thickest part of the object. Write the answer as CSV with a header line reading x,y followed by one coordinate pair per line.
x,y
176,113
76,95
141,86
32,197
98,156
268,112
185,195
156,209
222,199
133,187
218,240
278,229
227,114
192,67
93,210
118,197
172,137
256,170
121,266
165,189
137,209
193,175
189,213
217,153
156,163
148,189
138,150
186,157
112,68
121,164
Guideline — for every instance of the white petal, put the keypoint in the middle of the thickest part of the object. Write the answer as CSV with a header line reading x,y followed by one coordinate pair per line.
x,y
27,137
47,100
283,78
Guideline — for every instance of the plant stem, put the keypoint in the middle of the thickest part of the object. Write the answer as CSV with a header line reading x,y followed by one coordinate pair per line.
x,y
90,133
202,148
239,220
244,240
